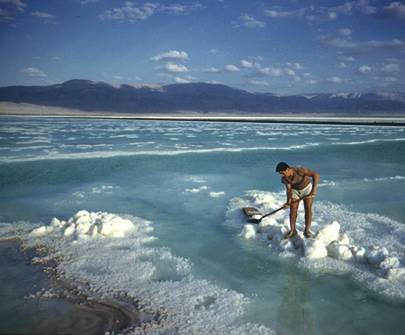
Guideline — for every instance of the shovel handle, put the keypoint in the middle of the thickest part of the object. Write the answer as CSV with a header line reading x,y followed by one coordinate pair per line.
x,y
279,209
271,213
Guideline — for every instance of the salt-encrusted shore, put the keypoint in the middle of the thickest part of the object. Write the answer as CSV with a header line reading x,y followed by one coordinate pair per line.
x,y
119,312
381,119
114,257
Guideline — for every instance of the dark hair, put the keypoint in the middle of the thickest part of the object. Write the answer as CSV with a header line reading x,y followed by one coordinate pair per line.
x,y
282,166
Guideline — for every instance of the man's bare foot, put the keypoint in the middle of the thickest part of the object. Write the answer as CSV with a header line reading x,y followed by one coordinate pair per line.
x,y
307,234
290,234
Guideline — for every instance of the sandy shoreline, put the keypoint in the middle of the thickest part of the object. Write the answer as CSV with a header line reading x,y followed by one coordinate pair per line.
x,y
27,110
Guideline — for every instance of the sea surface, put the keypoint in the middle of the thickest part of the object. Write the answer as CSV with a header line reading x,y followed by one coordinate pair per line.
x,y
182,181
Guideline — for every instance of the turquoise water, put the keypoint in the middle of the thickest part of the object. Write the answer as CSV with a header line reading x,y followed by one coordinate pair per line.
x,y
183,177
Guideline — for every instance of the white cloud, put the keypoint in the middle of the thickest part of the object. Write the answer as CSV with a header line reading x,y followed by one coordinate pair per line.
x,y
323,13
348,8
5,15
231,68
173,9
295,66
33,72
181,80
251,22
178,9
256,58
337,42
394,10
332,15
312,82
366,46
213,51
175,68
246,64
298,66
342,65
365,69
129,12
390,68
42,15
258,82
10,8
346,58
212,70
132,13
390,79
345,32
393,44
270,71
172,55
216,82
365,7
290,72
85,2
275,13
335,80
16,4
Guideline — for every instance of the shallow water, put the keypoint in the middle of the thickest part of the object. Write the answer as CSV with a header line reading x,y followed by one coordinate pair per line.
x,y
183,176
22,313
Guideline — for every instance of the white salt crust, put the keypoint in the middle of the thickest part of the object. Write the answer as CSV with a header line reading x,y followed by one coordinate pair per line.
x,y
375,255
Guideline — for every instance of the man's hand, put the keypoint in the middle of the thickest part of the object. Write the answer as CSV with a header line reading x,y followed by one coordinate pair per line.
x,y
311,195
286,205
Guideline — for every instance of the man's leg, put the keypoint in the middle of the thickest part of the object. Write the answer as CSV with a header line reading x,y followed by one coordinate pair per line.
x,y
308,214
293,219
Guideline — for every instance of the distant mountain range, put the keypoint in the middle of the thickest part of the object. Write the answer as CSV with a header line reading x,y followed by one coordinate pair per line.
x,y
200,97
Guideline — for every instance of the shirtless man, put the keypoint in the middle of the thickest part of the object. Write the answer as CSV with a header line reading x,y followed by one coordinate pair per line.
x,y
297,180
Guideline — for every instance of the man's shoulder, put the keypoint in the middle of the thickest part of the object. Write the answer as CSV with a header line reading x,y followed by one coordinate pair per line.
x,y
299,168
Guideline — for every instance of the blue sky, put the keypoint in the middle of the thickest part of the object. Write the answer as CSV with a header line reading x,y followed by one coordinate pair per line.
x,y
284,47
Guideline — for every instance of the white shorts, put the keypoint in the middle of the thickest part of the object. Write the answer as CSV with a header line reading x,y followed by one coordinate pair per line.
x,y
298,194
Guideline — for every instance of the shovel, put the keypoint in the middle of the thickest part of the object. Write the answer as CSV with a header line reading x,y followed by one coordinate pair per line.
x,y
253,220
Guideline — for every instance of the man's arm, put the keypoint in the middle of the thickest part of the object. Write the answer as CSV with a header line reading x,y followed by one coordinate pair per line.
x,y
315,179
288,189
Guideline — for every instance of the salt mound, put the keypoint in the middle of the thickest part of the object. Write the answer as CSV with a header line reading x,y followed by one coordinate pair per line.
x,y
334,246
249,231
339,251
329,233
42,231
85,225
315,249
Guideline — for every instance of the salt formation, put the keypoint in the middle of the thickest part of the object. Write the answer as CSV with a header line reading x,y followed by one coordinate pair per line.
x,y
84,225
329,233
330,244
248,231
113,253
315,249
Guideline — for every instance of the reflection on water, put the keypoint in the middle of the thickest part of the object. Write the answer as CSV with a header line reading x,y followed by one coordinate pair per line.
x,y
295,314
